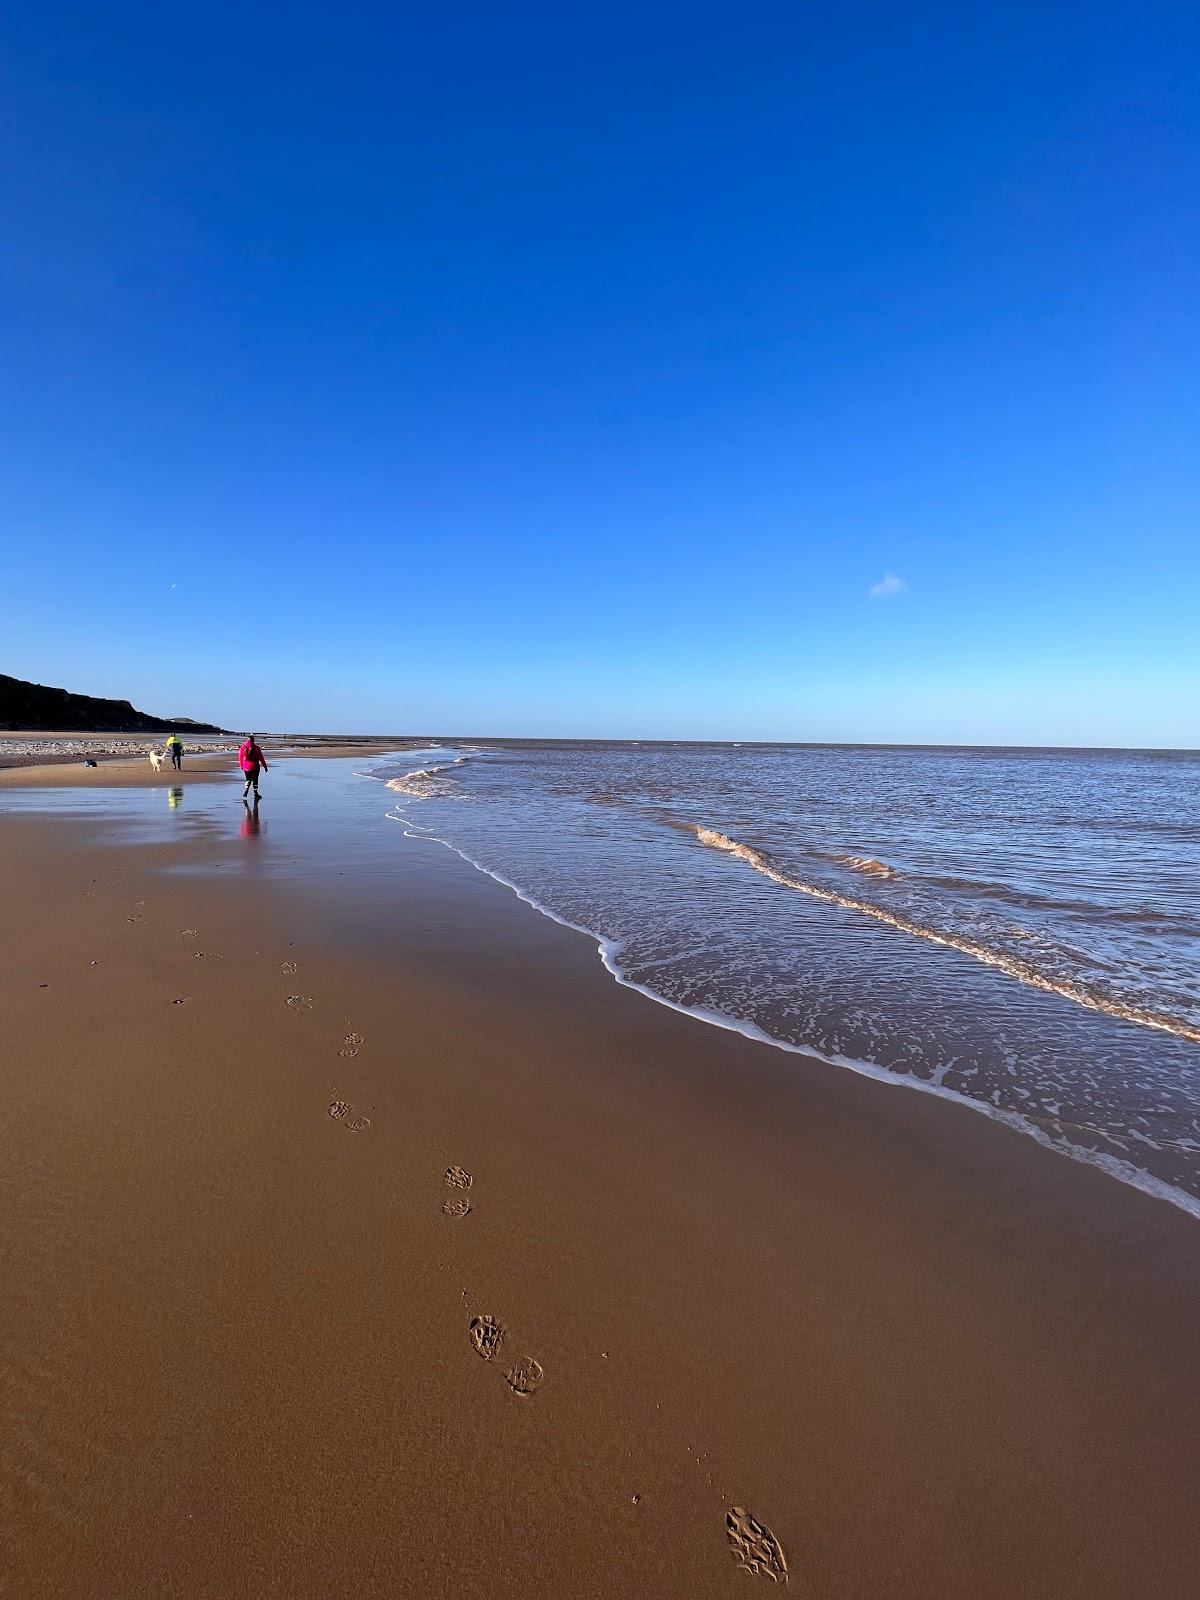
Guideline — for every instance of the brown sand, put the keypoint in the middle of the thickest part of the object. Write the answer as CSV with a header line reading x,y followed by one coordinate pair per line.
x,y
934,1359
116,772
123,772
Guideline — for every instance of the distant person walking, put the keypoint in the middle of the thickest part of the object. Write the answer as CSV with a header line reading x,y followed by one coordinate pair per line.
x,y
174,749
251,759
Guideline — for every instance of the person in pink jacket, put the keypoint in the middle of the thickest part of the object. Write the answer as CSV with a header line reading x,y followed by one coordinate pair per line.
x,y
251,759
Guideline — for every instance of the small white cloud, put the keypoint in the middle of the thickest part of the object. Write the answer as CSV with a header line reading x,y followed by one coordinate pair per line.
x,y
889,585
173,586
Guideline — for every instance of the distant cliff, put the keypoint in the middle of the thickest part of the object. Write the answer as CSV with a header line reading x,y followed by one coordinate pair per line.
x,y
33,705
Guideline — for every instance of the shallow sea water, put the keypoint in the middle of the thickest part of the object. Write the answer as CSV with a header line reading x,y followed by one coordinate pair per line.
x,y
1016,928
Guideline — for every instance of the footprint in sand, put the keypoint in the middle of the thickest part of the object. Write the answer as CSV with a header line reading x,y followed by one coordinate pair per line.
x,y
487,1335
288,968
350,1045
188,933
458,1178
300,1002
342,1111
525,1377
456,1208
755,1547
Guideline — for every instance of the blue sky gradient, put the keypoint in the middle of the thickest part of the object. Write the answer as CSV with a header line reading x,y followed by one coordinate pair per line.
x,y
538,370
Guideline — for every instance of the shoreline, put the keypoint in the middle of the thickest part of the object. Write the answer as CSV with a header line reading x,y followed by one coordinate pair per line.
x,y
608,951
237,1327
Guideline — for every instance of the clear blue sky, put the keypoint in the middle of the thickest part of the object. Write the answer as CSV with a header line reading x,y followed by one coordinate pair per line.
x,y
580,370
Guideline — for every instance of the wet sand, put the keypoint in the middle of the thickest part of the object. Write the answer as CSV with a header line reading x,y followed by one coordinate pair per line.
x,y
124,772
931,1358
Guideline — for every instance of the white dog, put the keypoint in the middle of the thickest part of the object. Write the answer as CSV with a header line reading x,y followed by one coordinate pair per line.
x,y
155,760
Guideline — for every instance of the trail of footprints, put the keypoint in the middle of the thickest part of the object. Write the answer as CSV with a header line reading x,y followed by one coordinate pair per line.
x,y
339,1110
486,1333
189,933
756,1550
342,1111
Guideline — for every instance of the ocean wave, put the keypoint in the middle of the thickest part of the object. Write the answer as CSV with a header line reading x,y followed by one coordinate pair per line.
x,y
427,783
1022,971
1094,910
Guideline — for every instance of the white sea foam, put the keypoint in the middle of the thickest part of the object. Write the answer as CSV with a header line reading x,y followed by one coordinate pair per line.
x,y
424,783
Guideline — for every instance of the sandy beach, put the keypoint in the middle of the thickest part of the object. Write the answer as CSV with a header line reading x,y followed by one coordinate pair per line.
x,y
33,760
361,1237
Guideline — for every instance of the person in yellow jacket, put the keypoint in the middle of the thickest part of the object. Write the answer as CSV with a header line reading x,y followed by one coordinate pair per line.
x,y
174,748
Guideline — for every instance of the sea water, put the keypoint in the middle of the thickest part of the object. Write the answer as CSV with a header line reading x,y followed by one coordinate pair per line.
x,y
1018,929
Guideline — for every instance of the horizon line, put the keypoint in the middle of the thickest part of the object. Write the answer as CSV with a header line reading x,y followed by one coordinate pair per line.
x,y
791,744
